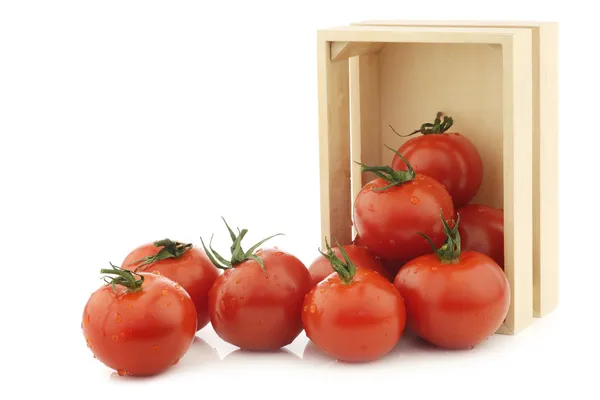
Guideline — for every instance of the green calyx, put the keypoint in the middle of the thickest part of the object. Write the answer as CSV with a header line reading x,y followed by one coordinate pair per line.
x,y
238,255
170,249
122,277
388,174
345,269
439,125
449,252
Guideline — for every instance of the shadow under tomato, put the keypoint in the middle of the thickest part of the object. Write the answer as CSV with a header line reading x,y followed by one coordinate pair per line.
x,y
199,355
243,358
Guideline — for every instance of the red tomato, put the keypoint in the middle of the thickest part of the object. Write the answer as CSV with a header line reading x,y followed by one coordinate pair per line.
x,y
450,158
140,326
482,229
256,303
359,255
391,209
454,299
354,315
187,265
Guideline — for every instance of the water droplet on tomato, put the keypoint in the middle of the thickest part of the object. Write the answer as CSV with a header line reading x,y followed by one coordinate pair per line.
x,y
237,281
415,271
156,272
115,338
169,304
371,207
155,348
434,269
165,292
88,340
415,200
323,290
313,308
392,242
121,372
178,286
305,308
95,356
181,297
118,318
122,334
129,306
176,361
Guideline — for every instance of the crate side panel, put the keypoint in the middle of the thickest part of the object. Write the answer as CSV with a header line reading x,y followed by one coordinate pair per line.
x,y
462,80
334,145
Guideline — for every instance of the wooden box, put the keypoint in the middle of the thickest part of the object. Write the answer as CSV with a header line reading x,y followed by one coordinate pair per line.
x,y
497,80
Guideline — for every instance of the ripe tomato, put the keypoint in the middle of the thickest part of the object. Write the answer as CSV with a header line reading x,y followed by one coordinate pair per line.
x,y
454,299
482,230
354,315
183,263
450,158
140,323
320,268
391,209
256,303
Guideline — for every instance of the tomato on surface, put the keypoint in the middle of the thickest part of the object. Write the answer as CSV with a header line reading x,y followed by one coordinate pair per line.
x,y
482,229
454,299
391,209
183,263
354,315
450,158
360,256
256,303
139,323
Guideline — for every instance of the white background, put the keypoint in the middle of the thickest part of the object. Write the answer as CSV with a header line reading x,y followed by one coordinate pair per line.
x,y
122,122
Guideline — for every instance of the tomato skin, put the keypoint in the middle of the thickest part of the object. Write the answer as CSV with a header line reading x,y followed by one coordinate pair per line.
x,y
450,158
257,312
454,306
193,270
388,220
360,256
140,333
356,322
482,229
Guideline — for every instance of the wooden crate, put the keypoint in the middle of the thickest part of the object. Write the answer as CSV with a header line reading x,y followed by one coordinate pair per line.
x,y
498,81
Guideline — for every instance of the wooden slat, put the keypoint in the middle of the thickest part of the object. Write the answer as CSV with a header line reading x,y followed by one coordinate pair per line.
x,y
334,145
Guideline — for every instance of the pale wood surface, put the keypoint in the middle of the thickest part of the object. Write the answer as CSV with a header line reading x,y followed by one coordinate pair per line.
x,y
342,50
365,117
546,179
334,145
518,183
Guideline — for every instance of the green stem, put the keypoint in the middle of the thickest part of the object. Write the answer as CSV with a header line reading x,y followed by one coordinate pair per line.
x,y
345,270
123,277
238,255
438,126
449,252
170,249
388,174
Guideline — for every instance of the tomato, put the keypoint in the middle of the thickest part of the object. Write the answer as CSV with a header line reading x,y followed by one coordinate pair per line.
x,y
320,268
450,158
183,263
354,315
391,209
482,230
454,299
140,323
256,303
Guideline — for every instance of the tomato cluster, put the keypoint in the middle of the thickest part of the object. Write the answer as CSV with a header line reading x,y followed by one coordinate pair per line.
x,y
424,259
